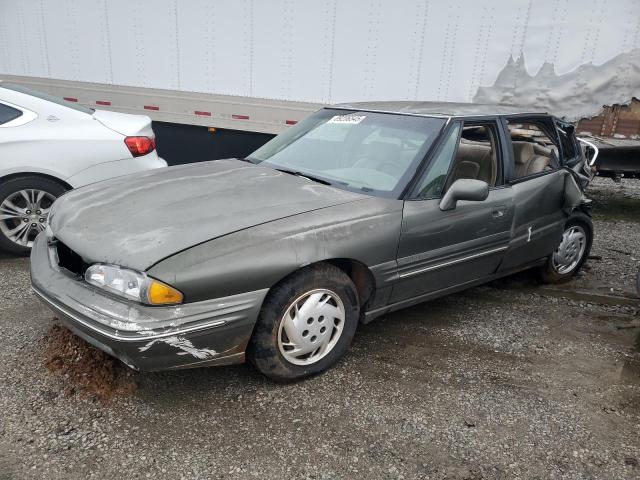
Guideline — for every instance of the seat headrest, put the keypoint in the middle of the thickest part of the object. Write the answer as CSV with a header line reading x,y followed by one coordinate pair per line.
x,y
468,147
523,152
540,150
466,169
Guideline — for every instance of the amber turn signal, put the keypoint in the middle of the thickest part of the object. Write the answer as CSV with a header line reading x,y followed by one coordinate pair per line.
x,y
159,293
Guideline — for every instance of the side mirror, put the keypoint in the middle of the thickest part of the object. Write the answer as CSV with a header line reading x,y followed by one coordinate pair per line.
x,y
464,189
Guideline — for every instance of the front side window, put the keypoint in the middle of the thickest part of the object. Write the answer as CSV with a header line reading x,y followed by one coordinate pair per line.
x,y
469,151
8,113
375,153
477,155
432,184
534,151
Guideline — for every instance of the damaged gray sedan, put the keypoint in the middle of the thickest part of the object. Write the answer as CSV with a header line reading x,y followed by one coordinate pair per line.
x,y
356,211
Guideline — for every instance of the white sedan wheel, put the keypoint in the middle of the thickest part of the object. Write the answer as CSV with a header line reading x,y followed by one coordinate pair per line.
x,y
23,215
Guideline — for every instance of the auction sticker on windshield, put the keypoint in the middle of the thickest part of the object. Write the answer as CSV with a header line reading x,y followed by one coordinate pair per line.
x,y
347,119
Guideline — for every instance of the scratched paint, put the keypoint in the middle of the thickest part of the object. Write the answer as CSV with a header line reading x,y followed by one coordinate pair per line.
x,y
126,326
183,344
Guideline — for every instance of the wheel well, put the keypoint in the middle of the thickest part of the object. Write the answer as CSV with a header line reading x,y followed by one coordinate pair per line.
x,y
357,271
34,174
582,211
359,274
583,217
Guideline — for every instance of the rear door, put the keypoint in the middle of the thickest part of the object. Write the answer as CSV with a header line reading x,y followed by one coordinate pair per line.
x,y
538,184
441,249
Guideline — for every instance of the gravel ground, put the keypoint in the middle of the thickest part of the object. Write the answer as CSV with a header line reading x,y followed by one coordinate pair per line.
x,y
509,380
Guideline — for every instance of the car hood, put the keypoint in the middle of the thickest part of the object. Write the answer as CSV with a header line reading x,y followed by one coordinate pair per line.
x,y
138,220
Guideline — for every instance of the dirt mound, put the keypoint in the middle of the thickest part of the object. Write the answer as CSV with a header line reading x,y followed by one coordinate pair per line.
x,y
85,369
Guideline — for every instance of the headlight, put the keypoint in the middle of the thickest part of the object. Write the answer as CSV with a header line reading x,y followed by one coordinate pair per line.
x,y
132,285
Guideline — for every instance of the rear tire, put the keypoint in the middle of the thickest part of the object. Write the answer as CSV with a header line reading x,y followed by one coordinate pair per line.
x,y
24,207
306,324
563,264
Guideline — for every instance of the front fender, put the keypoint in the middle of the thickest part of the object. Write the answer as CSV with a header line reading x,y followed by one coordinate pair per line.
x,y
260,256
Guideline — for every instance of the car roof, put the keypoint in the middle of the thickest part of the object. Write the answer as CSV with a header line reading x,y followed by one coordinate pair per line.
x,y
441,109
38,101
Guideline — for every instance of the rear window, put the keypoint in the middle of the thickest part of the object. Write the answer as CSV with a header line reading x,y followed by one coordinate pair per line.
x,y
8,113
48,98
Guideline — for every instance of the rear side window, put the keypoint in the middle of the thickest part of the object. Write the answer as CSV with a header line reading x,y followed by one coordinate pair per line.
x,y
534,151
48,98
8,113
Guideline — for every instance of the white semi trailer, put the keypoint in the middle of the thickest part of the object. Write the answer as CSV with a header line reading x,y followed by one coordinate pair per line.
x,y
262,65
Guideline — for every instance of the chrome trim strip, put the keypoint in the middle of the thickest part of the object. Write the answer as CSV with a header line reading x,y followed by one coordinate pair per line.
x,y
371,110
137,338
452,262
592,145
433,115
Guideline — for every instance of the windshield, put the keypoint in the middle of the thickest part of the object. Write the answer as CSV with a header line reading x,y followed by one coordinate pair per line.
x,y
376,153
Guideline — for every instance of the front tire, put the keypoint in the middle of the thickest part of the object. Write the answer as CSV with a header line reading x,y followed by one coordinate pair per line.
x,y
572,252
24,206
306,324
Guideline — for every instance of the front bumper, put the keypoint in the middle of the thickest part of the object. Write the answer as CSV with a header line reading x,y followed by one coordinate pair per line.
x,y
211,332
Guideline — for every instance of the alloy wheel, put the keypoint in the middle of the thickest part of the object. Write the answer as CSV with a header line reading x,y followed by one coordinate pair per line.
x,y
23,215
311,327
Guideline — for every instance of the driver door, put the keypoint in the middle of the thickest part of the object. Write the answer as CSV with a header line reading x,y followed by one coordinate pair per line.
x,y
442,249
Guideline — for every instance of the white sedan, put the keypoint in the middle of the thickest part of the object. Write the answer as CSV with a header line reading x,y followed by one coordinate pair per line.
x,y
48,146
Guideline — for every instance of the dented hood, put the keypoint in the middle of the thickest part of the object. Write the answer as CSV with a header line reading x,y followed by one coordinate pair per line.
x,y
138,220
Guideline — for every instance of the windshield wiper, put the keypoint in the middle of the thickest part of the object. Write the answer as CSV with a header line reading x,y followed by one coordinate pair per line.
x,y
304,175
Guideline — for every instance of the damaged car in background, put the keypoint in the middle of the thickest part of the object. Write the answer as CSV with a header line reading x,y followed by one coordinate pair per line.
x,y
356,211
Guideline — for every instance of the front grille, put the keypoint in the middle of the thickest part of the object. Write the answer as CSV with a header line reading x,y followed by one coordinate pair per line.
x,y
69,259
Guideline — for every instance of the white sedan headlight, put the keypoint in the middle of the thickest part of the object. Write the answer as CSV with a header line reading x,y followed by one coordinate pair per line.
x,y
132,285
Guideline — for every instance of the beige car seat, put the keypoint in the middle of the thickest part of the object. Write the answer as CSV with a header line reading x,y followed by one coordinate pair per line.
x,y
527,160
474,160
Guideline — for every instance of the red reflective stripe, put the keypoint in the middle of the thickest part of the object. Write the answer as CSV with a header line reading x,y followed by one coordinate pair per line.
x,y
205,114
151,107
70,99
102,102
291,122
240,117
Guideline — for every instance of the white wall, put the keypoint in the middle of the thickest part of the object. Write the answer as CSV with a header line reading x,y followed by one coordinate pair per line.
x,y
310,50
